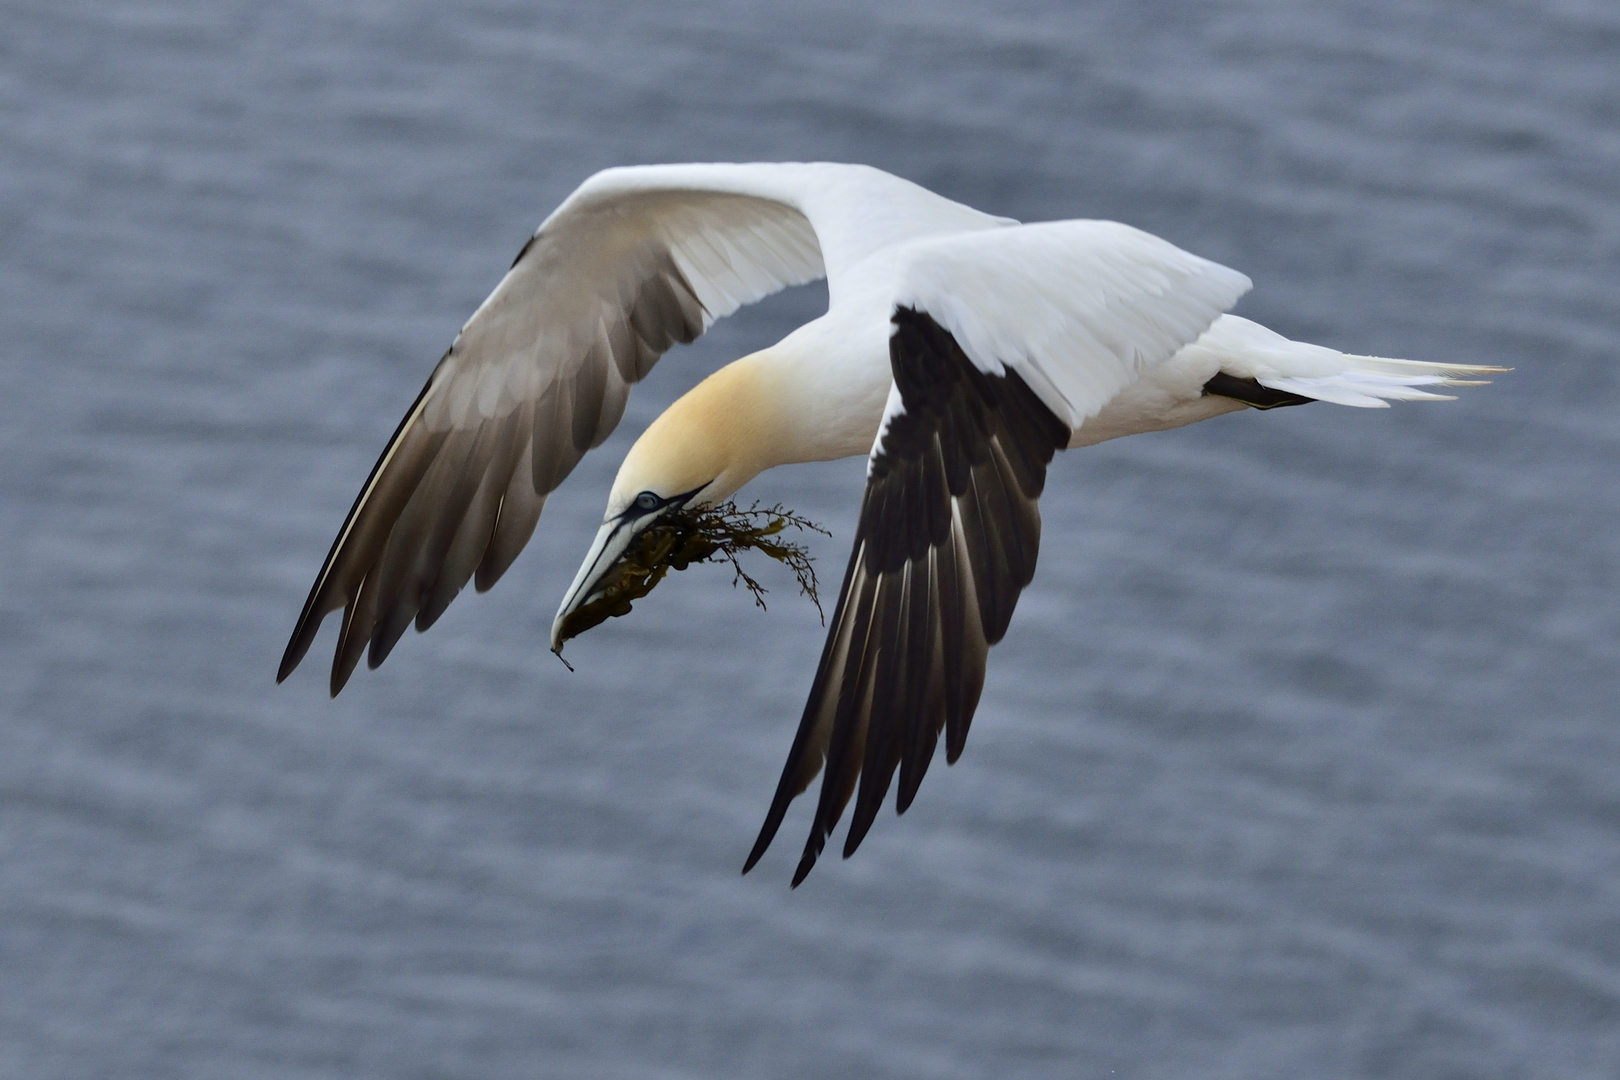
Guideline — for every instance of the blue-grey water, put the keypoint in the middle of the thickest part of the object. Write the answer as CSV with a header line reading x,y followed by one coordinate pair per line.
x,y
1302,758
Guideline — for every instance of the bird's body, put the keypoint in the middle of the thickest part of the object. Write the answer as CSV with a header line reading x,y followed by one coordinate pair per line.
x,y
959,351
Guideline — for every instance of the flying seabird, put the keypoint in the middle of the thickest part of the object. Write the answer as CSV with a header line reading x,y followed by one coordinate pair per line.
x,y
959,351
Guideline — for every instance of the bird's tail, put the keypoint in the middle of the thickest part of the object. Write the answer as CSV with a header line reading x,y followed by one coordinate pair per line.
x,y
1248,350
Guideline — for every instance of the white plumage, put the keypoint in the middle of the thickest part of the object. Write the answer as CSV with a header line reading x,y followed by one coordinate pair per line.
x,y
959,351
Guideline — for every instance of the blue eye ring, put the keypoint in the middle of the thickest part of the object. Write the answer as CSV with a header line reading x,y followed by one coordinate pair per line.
x,y
647,502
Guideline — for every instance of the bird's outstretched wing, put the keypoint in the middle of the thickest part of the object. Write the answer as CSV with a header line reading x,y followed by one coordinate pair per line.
x,y
634,261
1002,344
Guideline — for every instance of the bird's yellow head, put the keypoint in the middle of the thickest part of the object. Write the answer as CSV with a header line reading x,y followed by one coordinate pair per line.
x,y
661,510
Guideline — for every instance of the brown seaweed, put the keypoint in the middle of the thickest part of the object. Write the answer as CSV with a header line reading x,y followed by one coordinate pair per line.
x,y
683,538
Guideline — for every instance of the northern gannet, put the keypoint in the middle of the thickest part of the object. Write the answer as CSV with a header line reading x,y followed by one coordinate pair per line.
x,y
959,351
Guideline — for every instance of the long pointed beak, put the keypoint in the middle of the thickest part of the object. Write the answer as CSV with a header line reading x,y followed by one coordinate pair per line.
x,y
615,536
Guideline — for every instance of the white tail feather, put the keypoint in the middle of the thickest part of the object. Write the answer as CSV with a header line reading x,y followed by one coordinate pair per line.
x,y
1249,350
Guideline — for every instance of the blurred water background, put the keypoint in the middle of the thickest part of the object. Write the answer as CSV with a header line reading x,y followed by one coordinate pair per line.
x,y
1301,760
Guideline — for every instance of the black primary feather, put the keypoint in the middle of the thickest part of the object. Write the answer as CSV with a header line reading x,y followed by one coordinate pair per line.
x,y
948,535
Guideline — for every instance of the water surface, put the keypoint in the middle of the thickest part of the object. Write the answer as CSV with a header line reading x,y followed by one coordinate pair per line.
x,y
1301,758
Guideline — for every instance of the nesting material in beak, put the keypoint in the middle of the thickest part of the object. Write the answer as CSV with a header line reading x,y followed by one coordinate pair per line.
x,y
682,537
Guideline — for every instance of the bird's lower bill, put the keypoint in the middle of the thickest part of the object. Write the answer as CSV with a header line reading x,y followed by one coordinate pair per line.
x,y
669,543
677,540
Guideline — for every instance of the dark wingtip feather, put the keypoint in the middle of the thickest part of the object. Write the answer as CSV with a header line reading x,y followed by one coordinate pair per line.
x,y
352,642
1251,393
384,637
297,648
340,674
761,845
858,828
911,782
309,619
773,818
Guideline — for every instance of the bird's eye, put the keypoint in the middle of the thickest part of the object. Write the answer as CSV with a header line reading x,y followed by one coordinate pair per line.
x,y
647,502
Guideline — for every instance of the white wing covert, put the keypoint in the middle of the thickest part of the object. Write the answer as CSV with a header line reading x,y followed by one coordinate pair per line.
x,y
1078,308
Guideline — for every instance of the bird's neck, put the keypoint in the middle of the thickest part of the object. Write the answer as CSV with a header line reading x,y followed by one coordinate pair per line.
x,y
724,432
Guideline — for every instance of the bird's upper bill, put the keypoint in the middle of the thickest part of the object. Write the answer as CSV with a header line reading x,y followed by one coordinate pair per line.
x,y
632,554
